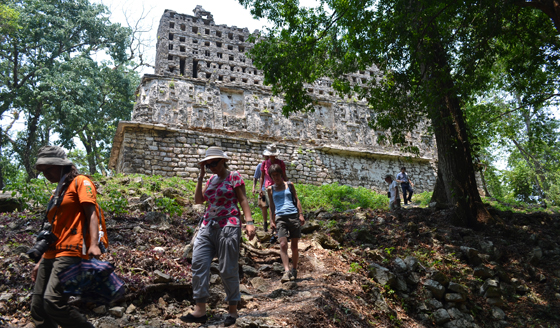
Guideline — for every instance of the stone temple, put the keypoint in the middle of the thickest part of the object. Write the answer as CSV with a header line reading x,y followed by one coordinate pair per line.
x,y
206,92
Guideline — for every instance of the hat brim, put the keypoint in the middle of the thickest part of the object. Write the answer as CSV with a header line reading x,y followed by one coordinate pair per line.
x,y
53,161
210,157
267,152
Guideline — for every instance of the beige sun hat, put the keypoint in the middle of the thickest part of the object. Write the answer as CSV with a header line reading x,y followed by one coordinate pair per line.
x,y
212,153
271,150
52,155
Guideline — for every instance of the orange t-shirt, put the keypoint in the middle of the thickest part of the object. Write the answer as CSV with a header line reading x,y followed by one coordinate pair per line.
x,y
70,219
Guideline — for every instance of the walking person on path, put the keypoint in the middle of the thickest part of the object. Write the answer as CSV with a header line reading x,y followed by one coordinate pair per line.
x,y
262,200
406,185
271,152
219,234
285,215
394,199
73,236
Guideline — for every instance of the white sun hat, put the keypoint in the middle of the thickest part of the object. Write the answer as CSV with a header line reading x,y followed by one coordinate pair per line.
x,y
212,153
271,150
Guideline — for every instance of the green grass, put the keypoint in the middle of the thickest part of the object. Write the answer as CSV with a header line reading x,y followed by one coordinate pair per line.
x,y
334,197
510,204
422,198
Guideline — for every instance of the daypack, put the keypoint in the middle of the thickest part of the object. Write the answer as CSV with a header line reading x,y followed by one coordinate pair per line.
x,y
103,236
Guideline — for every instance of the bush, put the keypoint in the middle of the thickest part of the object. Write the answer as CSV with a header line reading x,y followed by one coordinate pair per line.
x,y
334,197
423,198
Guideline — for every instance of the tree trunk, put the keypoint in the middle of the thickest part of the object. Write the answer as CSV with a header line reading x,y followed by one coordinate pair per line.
x,y
439,196
28,153
89,152
484,185
456,175
1,168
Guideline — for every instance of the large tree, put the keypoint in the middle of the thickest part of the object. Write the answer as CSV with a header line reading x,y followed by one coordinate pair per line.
x,y
34,58
434,57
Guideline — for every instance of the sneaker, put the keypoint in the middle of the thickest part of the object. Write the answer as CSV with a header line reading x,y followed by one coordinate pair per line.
x,y
287,277
294,273
230,320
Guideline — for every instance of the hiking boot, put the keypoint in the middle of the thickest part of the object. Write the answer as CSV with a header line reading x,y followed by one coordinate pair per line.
x,y
287,277
230,320
294,273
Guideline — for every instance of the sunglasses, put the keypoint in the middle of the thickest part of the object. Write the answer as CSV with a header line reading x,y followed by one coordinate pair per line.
x,y
213,164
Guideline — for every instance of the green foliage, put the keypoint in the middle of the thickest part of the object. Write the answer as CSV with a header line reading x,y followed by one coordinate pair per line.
x,y
169,206
8,21
114,202
334,197
35,192
355,267
424,198
51,80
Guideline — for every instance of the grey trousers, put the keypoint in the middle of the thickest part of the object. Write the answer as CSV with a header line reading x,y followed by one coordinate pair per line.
x,y
223,242
49,305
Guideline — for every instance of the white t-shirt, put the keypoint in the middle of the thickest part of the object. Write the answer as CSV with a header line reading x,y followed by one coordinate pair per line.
x,y
393,189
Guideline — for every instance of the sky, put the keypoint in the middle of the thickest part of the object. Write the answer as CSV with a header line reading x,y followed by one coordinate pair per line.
x,y
228,12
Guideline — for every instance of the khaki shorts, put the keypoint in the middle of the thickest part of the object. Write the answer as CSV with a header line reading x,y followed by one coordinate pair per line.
x,y
288,226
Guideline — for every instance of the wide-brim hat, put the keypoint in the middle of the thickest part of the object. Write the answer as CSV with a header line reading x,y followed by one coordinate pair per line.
x,y
271,150
212,153
52,155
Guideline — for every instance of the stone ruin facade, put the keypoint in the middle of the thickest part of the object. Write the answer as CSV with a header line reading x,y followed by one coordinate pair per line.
x,y
205,92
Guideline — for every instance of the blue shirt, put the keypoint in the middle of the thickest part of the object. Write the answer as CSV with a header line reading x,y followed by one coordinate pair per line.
x,y
258,173
283,201
402,177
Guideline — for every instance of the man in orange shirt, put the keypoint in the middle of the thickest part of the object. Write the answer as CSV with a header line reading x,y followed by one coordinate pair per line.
x,y
73,216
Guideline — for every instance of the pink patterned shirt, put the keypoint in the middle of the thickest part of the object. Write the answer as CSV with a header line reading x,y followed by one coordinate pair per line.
x,y
222,201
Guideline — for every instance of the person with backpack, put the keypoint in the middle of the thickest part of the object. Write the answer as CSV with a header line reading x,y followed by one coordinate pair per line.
x,y
270,153
286,216
262,201
70,234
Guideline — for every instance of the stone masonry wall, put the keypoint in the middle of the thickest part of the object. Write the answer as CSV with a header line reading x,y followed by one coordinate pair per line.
x,y
151,149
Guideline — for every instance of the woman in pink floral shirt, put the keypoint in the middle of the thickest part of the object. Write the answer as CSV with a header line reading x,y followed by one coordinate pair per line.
x,y
219,234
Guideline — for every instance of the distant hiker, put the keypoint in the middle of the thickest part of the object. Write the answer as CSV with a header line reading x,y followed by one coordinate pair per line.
x,y
287,216
262,200
219,234
70,235
394,199
406,185
272,152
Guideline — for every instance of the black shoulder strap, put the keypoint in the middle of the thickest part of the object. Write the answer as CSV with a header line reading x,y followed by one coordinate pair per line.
x,y
293,191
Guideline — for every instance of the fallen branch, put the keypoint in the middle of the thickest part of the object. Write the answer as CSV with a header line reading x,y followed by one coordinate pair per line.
x,y
259,252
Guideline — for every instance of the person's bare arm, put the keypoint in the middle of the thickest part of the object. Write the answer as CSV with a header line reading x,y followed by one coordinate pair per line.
x,y
199,191
272,208
93,228
262,181
300,210
242,199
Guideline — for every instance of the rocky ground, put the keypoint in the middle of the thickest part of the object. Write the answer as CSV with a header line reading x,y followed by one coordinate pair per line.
x,y
360,268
